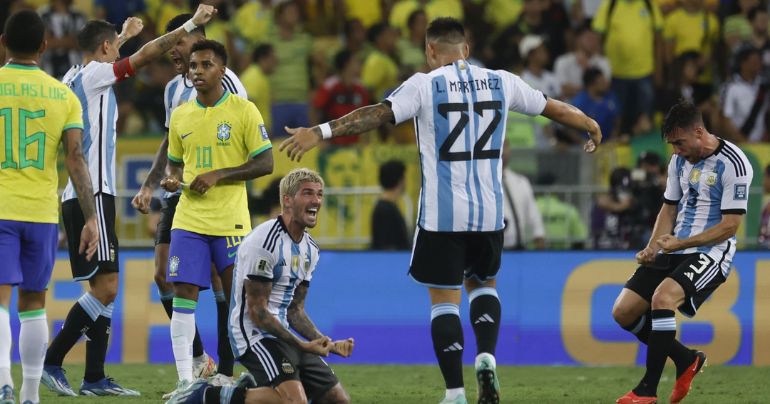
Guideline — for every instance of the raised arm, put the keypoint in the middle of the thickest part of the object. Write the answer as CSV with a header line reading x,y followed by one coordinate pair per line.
x,y
131,28
81,179
359,121
159,46
569,115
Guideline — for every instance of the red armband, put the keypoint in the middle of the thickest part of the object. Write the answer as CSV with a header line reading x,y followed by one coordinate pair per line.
x,y
122,69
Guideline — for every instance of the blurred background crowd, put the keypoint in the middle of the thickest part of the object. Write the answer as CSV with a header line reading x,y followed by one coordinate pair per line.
x,y
623,62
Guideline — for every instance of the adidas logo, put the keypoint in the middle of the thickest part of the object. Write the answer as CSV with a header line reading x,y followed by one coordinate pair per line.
x,y
484,319
688,275
454,347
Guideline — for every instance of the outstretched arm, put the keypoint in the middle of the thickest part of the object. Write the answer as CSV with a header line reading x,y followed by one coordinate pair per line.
x,y
359,121
569,115
131,28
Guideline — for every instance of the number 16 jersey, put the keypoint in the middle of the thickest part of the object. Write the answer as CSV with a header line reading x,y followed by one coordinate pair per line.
x,y
460,112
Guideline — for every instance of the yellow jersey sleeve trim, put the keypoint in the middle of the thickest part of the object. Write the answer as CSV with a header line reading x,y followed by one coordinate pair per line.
x,y
175,159
260,150
73,126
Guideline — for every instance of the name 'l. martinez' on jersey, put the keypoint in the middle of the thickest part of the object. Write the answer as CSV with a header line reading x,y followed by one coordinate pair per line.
x,y
704,191
460,113
268,254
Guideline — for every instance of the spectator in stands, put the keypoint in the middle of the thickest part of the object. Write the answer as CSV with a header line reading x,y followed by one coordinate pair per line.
x,y
692,28
745,99
631,30
569,67
256,80
167,10
532,21
251,23
368,12
340,94
523,222
737,28
116,12
380,71
62,23
411,45
597,101
536,59
611,218
564,228
389,230
290,82
764,227
648,182
355,38
402,9
760,37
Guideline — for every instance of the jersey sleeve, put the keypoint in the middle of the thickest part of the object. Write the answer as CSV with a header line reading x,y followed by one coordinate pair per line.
x,y
521,96
175,152
405,100
233,84
123,69
736,183
255,133
74,112
673,193
101,76
256,263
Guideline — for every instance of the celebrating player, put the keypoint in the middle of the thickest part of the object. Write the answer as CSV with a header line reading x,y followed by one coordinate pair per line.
x,y
461,114
178,91
215,144
39,113
272,275
690,250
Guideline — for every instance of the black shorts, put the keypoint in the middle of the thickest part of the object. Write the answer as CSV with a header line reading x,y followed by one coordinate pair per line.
x,y
272,362
443,259
698,274
163,231
105,260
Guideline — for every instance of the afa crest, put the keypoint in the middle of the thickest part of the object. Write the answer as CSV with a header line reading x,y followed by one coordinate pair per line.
x,y
223,132
711,179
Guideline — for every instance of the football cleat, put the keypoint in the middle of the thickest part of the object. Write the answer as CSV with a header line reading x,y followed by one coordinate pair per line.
x,y
632,398
205,367
457,400
486,377
684,381
181,386
6,395
106,387
191,394
53,378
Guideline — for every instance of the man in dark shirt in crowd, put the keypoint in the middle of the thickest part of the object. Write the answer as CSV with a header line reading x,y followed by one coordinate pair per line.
x,y
388,225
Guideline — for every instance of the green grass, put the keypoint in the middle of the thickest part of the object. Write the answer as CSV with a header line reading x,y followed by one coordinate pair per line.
x,y
423,384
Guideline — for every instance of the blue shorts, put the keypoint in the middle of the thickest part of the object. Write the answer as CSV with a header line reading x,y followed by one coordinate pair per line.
x,y
28,251
191,254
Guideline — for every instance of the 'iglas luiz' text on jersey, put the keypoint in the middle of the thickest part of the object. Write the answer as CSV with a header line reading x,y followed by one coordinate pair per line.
x,y
268,254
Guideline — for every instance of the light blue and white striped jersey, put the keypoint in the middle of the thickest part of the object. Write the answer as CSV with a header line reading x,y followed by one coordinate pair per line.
x,y
92,84
268,254
460,113
704,191
180,90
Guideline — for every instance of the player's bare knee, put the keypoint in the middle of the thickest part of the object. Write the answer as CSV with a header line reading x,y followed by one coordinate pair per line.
x,y
663,299
622,314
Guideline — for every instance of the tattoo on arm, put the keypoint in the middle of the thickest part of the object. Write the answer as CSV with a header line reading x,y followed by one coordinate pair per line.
x,y
298,318
260,165
361,120
156,47
158,165
78,171
257,295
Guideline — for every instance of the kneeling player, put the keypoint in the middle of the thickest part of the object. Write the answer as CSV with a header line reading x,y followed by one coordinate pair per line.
x,y
272,274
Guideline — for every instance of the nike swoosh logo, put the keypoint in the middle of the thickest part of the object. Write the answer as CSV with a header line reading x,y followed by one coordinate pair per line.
x,y
232,254
186,134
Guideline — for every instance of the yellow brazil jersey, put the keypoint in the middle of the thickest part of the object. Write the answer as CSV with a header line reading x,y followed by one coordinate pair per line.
x,y
211,138
35,109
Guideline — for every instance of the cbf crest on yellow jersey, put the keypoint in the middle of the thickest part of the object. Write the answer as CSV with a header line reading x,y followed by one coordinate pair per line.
x,y
211,138
35,109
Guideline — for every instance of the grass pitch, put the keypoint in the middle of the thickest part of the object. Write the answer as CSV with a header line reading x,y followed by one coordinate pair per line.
x,y
423,384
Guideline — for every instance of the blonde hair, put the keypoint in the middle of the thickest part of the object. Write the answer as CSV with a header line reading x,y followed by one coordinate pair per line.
x,y
291,182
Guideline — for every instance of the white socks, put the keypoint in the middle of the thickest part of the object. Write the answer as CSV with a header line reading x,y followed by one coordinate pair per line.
x,y
452,394
33,340
5,348
182,335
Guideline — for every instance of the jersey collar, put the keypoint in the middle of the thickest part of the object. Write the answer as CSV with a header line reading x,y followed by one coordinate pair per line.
x,y
21,67
216,104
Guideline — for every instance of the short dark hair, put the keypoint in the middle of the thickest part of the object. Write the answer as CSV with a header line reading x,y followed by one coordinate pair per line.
x,y
24,32
591,75
261,51
391,173
684,114
744,53
648,157
376,30
341,59
413,16
754,11
446,29
214,46
179,20
94,33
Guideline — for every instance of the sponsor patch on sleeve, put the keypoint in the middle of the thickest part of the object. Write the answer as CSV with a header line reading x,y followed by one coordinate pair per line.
x,y
263,131
741,192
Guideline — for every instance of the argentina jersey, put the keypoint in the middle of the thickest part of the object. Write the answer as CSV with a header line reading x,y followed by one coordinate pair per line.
x,y
92,84
268,254
460,113
180,90
704,191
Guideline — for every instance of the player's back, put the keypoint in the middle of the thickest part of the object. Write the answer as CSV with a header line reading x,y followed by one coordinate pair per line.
x,y
460,112
35,109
